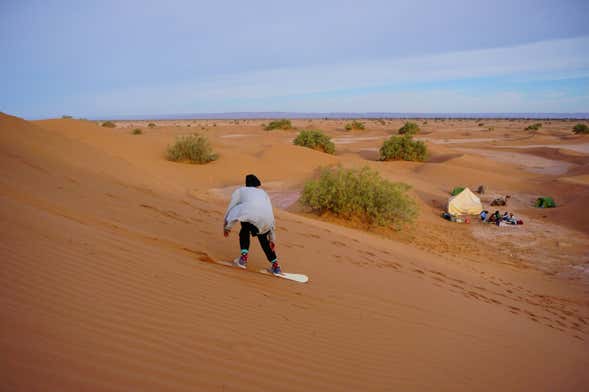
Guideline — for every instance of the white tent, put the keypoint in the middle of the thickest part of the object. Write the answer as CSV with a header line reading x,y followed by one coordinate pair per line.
x,y
464,203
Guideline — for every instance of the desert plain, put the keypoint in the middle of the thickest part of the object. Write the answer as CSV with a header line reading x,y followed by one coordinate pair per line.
x,y
108,280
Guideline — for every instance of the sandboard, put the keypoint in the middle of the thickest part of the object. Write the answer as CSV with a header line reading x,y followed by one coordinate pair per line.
x,y
285,275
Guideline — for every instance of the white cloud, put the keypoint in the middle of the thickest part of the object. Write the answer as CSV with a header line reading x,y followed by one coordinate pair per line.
x,y
546,60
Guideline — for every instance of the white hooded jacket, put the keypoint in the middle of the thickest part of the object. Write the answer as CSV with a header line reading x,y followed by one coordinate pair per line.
x,y
250,204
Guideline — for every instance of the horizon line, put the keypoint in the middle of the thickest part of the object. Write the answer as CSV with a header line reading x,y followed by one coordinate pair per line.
x,y
261,115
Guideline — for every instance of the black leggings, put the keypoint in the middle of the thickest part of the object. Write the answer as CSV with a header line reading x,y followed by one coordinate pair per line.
x,y
244,239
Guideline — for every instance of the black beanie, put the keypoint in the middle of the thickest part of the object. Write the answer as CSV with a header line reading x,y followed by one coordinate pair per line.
x,y
252,180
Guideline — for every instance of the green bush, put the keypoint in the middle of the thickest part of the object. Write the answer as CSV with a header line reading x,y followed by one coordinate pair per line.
x,y
109,124
409,128
581,129
533,127
151,125
403,148
545,202
191,149
278,124
137,131
457,190
354,125
316,140
360,194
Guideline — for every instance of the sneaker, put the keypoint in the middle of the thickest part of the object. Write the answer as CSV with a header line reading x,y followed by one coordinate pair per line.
x,y
276,268
241,261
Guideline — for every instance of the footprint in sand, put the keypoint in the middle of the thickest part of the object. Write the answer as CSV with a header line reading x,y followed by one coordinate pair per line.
x,y
339,243
202,256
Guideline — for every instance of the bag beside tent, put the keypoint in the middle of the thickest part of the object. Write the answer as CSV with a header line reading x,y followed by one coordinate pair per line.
x,y
464,203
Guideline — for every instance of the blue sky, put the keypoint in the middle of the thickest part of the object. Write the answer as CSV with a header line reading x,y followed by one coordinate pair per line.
x,y
95,59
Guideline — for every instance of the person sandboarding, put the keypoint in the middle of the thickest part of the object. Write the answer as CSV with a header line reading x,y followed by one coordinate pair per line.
x,y
251,206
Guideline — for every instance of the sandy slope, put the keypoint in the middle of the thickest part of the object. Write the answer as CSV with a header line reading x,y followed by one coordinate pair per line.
x,y
106,281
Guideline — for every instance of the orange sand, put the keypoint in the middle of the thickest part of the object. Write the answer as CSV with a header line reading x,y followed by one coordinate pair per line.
x,y
106,280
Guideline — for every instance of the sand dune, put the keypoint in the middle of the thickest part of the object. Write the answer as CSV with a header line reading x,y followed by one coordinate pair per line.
x,y
107,281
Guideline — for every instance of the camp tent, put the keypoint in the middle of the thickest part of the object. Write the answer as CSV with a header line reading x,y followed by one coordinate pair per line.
x,y
464,203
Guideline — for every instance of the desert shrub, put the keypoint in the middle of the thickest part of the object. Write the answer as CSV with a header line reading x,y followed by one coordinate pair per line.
x,y
533,127
360,194
66,117
545,202
109,124
354,125
151,125
581,129
191,149
409,128
457,190
316,140
481,124
278,124
403,148
137,131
